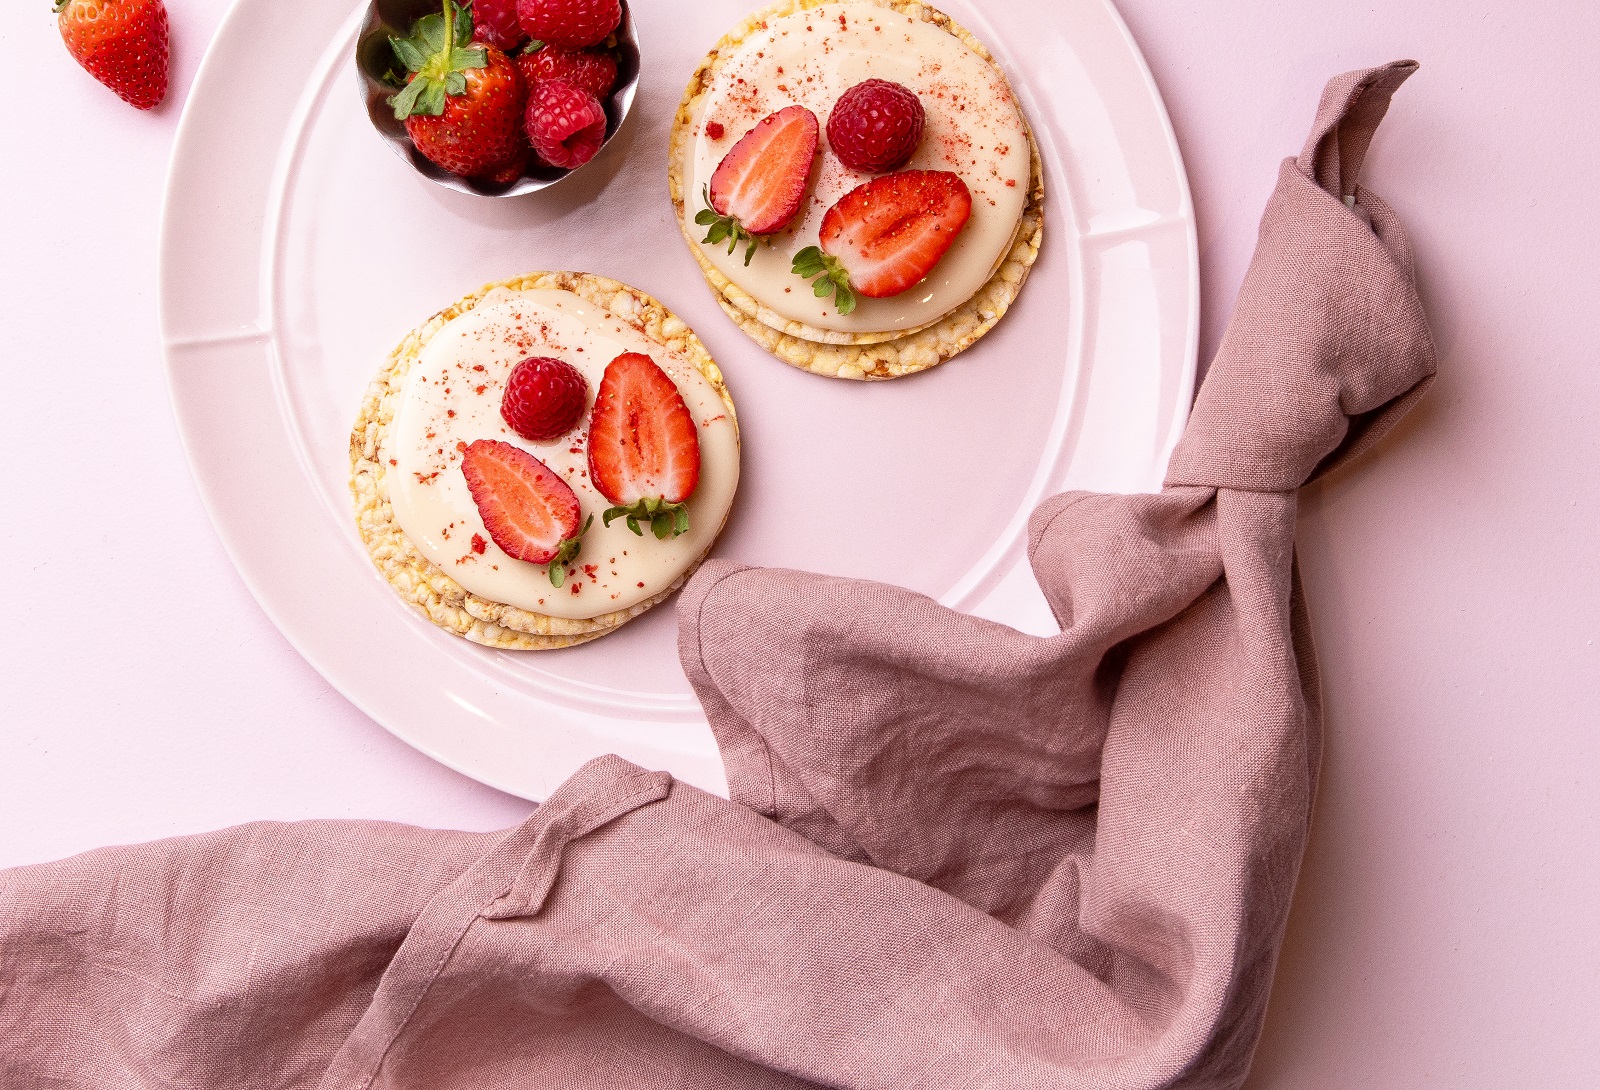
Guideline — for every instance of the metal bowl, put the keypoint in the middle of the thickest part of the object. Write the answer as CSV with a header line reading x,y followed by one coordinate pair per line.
x,y
375,57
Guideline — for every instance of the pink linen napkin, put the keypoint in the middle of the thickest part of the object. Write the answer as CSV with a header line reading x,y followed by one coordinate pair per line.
x,y
956,854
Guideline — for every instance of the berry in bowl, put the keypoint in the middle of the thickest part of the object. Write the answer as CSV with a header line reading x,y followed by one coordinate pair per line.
x,y
498,97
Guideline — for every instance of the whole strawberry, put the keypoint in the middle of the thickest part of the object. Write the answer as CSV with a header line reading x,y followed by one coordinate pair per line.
x,y
121,43
463,102
570,23
595,73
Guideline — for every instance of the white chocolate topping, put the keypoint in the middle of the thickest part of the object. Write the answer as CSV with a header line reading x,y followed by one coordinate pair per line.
x,y
452,397
973,129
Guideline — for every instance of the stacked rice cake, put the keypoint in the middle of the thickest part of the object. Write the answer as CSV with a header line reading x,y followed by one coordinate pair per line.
x,y
806,52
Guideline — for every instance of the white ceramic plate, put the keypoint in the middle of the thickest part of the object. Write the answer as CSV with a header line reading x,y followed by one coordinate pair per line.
x,y
297,249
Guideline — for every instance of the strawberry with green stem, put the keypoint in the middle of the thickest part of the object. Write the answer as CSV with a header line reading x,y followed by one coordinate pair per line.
x,y
122,43
644,450
885,236
760,184
462,104
530,512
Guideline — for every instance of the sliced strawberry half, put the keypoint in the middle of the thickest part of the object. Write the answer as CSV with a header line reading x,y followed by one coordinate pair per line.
x,y
529,511
761,183
644,451
884,236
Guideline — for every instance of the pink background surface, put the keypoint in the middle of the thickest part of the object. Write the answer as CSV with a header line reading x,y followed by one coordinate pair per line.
x,y
1444,931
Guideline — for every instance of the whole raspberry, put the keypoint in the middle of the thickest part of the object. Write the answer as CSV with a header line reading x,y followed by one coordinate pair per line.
x,y
565,123
875,126
544,398
595,73
495,22
572,23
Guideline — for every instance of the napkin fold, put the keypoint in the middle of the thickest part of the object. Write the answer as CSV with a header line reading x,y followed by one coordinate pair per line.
x,y
955,855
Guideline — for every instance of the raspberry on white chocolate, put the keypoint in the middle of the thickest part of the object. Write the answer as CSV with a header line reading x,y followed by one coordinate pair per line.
x,y
875,126
544,398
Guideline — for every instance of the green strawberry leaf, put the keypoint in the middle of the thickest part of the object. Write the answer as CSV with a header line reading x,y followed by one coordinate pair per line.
x,y
431,101
666,519
725,227
808,262
405,103
407,53
430,29
566,553
844,300
439,64
828,276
